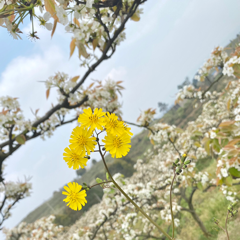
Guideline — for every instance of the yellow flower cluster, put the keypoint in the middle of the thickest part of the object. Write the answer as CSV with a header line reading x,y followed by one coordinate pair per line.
x,y
82,142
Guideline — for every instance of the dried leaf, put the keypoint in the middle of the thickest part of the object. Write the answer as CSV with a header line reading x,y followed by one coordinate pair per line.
x,y
95,43
135,17
152,142
12,16
47,93
232,142
90,85
36,111
50,7
228,85
76,22
118,82
228,104
74,79
72,46
82,51
225,124
54,27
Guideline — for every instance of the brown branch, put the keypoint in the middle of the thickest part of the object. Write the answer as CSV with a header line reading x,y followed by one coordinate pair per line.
x,y
192,211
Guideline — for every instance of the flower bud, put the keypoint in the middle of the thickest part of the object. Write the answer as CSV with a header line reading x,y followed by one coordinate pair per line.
x,y
103,148
178,171
184,156
177,160
187,162
215,220
235,212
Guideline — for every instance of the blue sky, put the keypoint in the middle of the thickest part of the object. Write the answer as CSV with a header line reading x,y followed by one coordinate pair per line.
x,y
171,41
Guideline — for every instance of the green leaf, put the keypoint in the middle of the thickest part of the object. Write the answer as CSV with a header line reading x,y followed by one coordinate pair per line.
x,y
216,145
10,122
207,146
135,17
200,186
198,133
107,176
21,139
228,181
234,172
98,180
197,144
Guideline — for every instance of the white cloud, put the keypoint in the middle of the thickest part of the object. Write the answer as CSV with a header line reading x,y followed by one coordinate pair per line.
x,y
117,74
26,72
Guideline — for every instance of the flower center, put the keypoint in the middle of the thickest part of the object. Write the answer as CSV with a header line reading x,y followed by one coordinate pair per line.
x,y
74,157
113,123
93,118
117,142
82,140
73,196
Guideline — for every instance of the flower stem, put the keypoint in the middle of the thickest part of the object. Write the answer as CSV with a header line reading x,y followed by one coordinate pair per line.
x,y
130,200
226,226
171,205
99,184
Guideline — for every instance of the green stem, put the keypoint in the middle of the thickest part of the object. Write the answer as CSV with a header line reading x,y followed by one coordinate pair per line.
x,y
99,184
226,226
130,200
20,20
20,16
171,205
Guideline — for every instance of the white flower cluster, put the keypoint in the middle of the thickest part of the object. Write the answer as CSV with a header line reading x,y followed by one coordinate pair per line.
x,y
146,117
11,114
44,21
202,177
217,59
230,196
105,96
163,132
188,91
49,126
232,67
13,190
60,80
42,229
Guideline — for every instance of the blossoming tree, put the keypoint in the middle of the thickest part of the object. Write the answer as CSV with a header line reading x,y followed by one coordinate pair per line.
x,y
147,205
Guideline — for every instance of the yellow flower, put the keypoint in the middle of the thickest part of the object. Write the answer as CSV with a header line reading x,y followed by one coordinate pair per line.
x,y
127,129
73,158
117,145
81,140
113,125
90,119
75,197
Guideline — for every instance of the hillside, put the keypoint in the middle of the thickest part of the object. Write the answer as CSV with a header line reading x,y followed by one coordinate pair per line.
x,y
178,116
